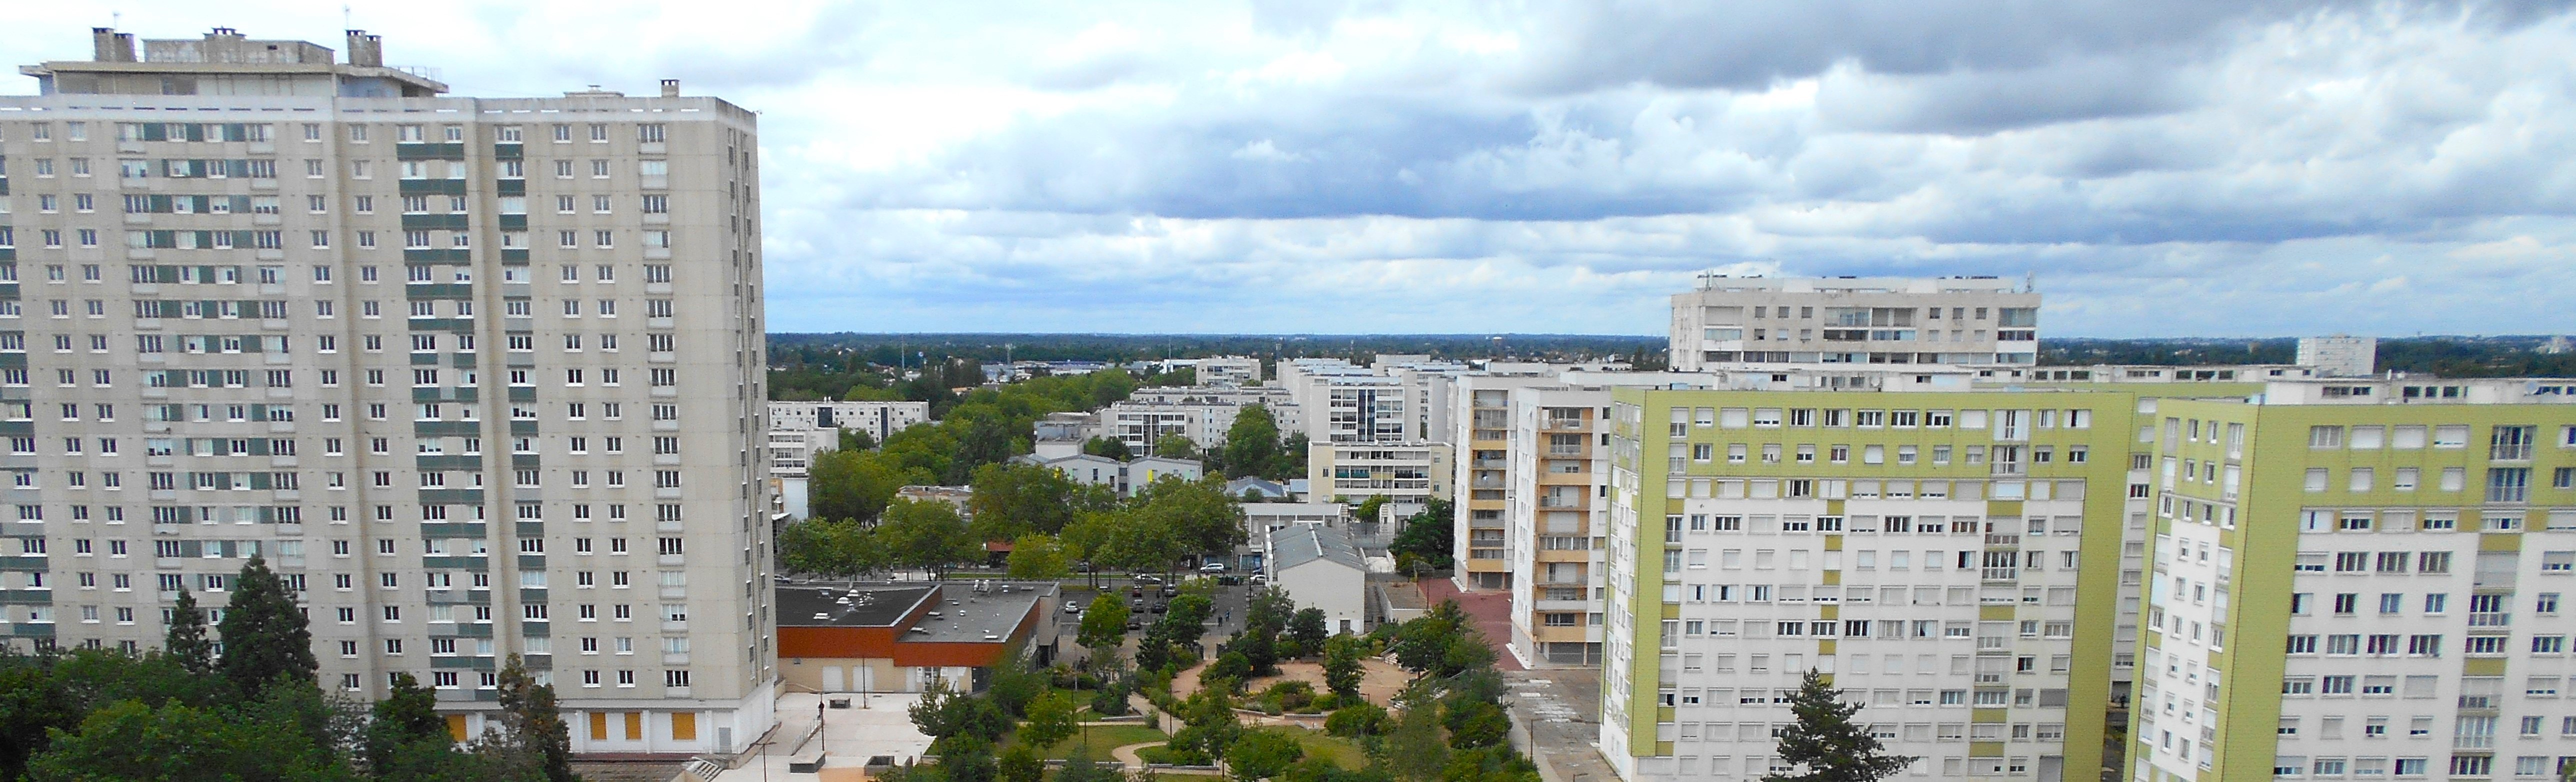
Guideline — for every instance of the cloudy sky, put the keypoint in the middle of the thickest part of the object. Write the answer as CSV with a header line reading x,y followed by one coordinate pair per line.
x,y
2240,167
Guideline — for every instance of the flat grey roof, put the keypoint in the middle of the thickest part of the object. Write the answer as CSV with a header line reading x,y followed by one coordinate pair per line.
x,y
966,615
871,605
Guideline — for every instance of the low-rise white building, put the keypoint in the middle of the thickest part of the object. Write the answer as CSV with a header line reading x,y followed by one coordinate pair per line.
x,y
1319,568
800,431
1407,473
1124,478
1260,519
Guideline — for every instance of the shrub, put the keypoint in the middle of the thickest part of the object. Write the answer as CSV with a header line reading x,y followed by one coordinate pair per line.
x,y
1355,720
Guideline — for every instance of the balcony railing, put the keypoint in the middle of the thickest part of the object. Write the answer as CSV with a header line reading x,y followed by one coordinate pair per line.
x,y
2490,619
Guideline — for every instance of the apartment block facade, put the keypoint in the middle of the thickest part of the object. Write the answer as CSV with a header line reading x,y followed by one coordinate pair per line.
x,y
478,377
2361,579
1951,558
1760,322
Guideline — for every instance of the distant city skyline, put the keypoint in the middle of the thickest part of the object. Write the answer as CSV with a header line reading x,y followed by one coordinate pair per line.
x,y
2210,169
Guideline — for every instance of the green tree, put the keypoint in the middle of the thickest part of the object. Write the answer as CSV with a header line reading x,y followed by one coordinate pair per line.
x,y
927,534
128,740
1425,538
1019,763
1011,500
1307,631
186,641
855,485
1209,726
1202,518
857,439
1292,459
1104,625
1052,719
1261,754
408,715
1175,446
1414,751
1826,743
1038,556
966,758
943,713
829,547
1265,619
1252,443
1369,509
1356,720
1342,667
1128,542
265,635
1101,446
530,727
1082,766
983,440
1476,723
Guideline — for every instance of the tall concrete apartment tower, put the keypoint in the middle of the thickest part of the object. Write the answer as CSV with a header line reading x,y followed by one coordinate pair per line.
x,y
1951,557
479,377
2361,579
1768,322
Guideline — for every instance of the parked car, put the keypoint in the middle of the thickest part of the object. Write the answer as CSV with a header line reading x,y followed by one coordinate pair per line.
x,y
1071,607
1136,590
1137,604
1258,579
1148,579
1133,623
1212,567
1155,608
1170,590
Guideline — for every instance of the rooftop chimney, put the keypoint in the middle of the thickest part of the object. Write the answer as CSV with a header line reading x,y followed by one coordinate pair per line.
x,y
110,45
670,88
366,51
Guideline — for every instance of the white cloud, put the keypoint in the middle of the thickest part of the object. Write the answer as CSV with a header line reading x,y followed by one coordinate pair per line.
x,y
2168,168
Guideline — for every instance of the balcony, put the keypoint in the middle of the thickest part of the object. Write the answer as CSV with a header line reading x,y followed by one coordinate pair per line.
x,y
2490,620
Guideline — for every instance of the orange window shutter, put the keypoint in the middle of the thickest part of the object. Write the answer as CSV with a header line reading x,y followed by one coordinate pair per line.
x,y
634,725
456,727
684,726
599,726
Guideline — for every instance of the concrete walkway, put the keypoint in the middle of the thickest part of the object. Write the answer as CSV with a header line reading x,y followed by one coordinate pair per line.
x,y
1127,754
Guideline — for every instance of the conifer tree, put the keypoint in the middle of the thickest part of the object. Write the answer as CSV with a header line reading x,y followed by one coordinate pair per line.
x,y
265,635
1825,742
186,641
533,726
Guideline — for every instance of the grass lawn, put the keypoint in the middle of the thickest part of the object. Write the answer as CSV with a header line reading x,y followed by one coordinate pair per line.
x,y
1103,738
1320,744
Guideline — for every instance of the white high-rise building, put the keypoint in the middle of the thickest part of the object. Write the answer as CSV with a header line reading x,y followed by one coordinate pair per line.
x,y
1759,322
479,377
2340,355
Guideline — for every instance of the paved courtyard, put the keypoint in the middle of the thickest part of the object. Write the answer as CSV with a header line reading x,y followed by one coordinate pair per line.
x,y
872,725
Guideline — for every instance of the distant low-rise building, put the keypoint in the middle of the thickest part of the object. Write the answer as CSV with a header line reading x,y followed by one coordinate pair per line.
x,y
1407,473
1124,478
800,431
